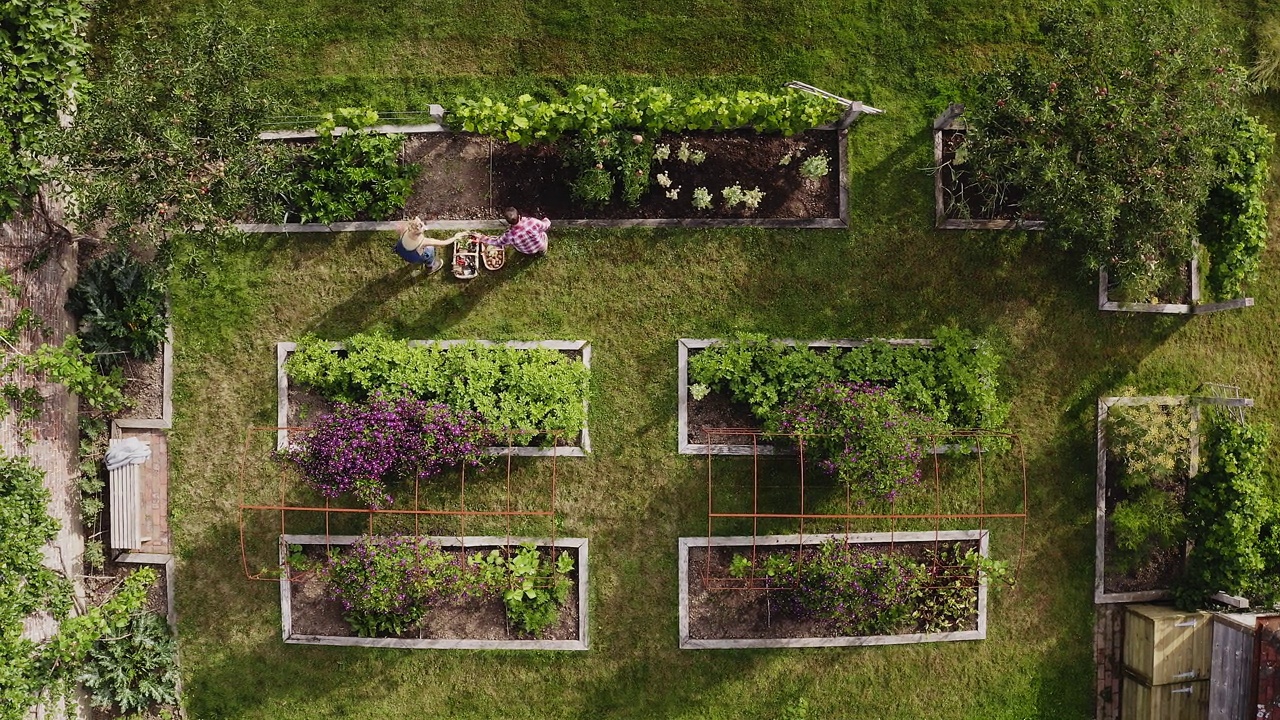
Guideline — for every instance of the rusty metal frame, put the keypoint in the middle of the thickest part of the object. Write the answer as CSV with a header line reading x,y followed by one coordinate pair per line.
x,y
972,439
286,480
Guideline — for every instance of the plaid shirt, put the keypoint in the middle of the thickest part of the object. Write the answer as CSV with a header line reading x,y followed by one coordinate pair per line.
x,y
528,235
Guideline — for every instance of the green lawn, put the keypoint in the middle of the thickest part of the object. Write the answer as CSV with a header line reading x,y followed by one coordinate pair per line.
x,y
632,294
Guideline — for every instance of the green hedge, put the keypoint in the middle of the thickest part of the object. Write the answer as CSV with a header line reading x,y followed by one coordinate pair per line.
x,y
1233,226
954,381
536,389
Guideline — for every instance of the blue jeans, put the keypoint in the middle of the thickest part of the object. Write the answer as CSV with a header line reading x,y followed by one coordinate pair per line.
x,y
425,254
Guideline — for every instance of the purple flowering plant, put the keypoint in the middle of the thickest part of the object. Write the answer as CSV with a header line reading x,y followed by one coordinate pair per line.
x,y
387,584
860,433
861,591
364,448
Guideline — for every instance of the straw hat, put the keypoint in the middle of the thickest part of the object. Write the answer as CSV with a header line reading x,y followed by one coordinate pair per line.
x,y
411,234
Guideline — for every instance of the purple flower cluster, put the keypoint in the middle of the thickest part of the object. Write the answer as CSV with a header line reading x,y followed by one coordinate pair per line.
x,y
863,592
386,584
861,434
362,448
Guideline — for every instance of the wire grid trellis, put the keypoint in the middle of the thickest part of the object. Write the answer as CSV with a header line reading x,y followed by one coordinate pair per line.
x,y
942,574
1227,392
288,480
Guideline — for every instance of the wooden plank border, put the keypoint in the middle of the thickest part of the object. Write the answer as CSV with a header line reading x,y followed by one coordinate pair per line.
x,y
950,120
840,222
688,643
684,345
1195,307
165,421
1100,595
581,449
582,567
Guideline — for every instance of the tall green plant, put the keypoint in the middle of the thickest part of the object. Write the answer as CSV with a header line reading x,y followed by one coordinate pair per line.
x,y
1111,133
355,174
165,137
1152,442
42,47
135,670
1233,226
1227,512
121,306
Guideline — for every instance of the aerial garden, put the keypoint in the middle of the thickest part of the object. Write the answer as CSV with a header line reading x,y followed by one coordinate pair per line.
x,y
758,400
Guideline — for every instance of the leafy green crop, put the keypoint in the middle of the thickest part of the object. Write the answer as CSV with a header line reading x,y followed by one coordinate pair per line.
x,y
1228,511
953,382
350,176
1233,225
592,111
536,390
135,670
121,306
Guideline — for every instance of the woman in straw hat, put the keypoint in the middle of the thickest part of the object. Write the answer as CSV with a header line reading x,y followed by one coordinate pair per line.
x,y
416,248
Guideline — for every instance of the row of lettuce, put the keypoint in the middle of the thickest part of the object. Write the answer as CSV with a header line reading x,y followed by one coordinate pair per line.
x,y
122,654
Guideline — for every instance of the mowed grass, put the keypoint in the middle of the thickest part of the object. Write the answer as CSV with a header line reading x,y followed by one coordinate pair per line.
x,y
632,294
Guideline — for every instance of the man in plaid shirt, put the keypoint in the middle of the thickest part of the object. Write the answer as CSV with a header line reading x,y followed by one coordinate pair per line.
x,y
528,235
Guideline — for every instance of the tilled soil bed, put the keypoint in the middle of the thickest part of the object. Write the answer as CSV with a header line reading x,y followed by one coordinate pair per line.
x,y
313,613
716,613
962,199
144,387
537,181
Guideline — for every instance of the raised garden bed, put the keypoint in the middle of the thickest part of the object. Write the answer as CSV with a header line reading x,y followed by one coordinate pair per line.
x,y
717,411
744,618
296,406
1189,304
955,205
466,180
310,618
149,387
1152,579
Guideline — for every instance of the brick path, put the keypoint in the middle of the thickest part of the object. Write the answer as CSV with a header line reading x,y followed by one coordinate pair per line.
x,y
50,441
1108,639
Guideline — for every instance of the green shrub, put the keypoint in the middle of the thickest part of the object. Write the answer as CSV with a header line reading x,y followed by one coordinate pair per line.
x,y
1110,132
42,48
591,111
602,162
863,592
538,389
1150,522
355,175
1233,225
533,588
121,306
953,382
1153,442
133,671
1227,511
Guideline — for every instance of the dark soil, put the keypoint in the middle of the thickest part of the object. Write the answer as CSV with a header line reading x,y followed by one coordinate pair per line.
x,y
1161,568
536,180
961,199
738,613
99,587
718,411
313,613
144,388
453,183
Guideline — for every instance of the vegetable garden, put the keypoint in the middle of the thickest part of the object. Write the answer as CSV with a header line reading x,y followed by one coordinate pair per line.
x,y
920,496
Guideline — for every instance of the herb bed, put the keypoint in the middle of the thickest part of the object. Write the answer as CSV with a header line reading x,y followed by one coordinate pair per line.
x,y
297,405
725,619
717,411
309,618
465,179
1152,579
950,185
